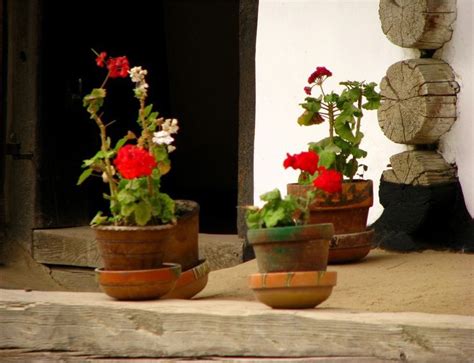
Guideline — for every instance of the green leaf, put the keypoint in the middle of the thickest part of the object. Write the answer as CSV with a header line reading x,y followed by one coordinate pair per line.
x,y
371,105
344,131
147,110
126,196
120,143
358,153
252,218
342,144
85,174
275,217
98,219
327,158
271,196
127,209
332,97
306,118
142,213
351,168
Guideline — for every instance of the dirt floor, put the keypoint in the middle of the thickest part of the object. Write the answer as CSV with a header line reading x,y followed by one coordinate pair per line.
x,y
430,282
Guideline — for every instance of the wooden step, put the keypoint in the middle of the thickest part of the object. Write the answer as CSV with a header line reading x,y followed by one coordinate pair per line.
x,y
93,325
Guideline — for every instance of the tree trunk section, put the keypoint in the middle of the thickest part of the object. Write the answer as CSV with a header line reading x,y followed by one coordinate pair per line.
x,y
422,24
419,101
419,168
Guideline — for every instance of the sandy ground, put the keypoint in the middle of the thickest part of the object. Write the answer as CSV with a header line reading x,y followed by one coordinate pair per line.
x,y
430,282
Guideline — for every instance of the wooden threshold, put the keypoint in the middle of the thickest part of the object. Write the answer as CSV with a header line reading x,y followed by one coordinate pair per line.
x,y
93,325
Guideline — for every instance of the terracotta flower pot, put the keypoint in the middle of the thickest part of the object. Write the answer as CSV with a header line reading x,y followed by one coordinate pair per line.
x,y
139,284
139,248
348,211
293,290
295,248
190,282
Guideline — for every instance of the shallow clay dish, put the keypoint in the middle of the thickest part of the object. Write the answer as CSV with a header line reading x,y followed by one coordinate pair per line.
x,y
350,247
139,284
190,282
293,290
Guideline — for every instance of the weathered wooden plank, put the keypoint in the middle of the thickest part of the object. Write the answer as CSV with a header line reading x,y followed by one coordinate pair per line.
x,y
419,101
75,279
92,324
422,24
66,246
77,247
419,168
22,355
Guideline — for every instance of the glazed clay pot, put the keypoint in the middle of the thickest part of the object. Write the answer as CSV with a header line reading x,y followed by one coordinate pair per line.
x,y
293,290
190,282
139,284
294,248
147,247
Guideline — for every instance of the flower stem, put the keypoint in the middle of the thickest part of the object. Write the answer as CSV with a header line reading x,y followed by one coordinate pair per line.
x,y
108,166
359,106
331,121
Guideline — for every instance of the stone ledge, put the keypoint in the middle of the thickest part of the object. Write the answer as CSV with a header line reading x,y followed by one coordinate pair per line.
x,y
91,324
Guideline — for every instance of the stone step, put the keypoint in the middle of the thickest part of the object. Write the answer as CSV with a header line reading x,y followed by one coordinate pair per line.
x,y
93,325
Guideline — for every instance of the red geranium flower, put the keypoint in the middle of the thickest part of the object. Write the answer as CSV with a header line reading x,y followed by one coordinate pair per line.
x,y
118,67
100,60
328,180
318,74
134,162
307,90
306,161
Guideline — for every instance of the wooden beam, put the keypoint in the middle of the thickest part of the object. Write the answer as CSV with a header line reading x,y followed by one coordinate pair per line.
x,y
419,101
419,168
91,324
422,24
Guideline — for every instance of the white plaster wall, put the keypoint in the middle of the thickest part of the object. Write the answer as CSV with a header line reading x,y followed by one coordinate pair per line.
x,y
295,36
457,146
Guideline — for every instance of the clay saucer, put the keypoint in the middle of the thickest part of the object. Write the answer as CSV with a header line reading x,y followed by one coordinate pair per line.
x,y
139,284
293,290
190,282
350,247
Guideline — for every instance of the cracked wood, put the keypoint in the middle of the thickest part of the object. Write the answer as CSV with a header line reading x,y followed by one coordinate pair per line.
x,y
421,24
419,101
419,168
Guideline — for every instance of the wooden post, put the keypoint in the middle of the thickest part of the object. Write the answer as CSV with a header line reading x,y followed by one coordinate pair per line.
x,y
419,168
422,24
419,101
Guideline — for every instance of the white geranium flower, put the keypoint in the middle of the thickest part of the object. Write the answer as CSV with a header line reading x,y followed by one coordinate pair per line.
x,y
171,126
137,74
162,137
171,148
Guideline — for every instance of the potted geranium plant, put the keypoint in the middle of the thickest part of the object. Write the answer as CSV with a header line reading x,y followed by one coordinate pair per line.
x,y
291,255
336,157
144,227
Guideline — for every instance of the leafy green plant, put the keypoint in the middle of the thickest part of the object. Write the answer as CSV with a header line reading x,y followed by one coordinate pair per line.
x,y
133,166
278,212
344,112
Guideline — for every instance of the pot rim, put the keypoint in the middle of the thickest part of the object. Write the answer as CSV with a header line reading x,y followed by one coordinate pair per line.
x,y
287,234
164,266
274,280
186,215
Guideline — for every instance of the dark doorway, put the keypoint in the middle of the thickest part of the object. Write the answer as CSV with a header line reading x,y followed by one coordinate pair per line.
x,y
191,50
